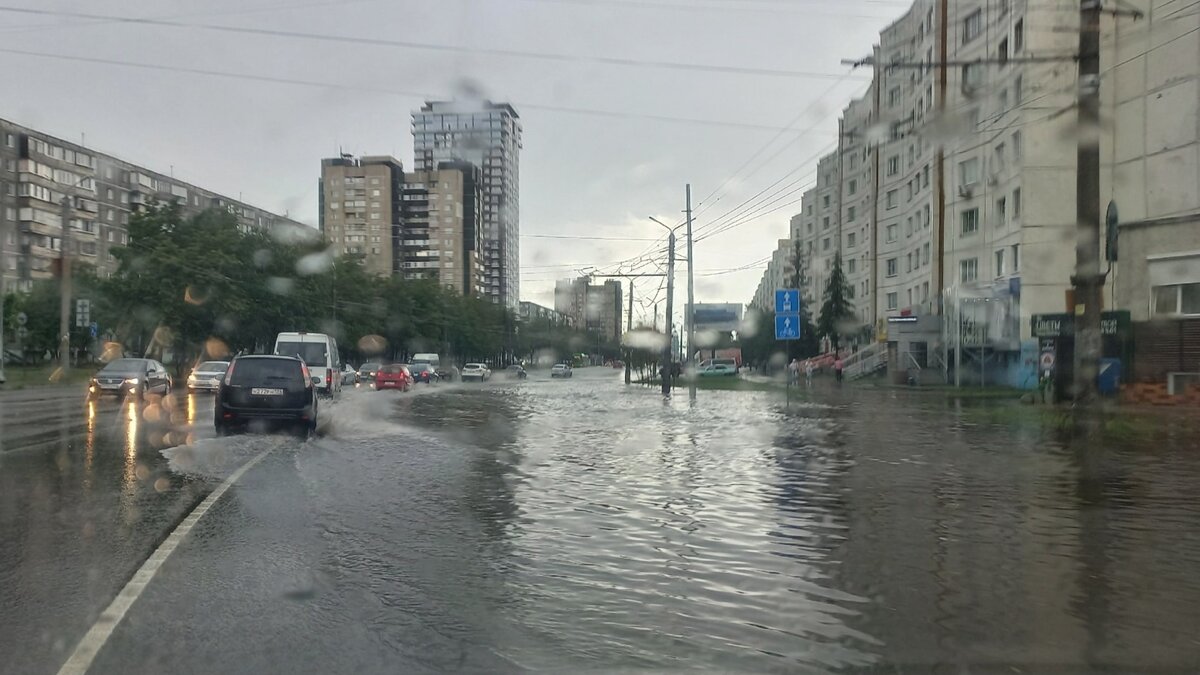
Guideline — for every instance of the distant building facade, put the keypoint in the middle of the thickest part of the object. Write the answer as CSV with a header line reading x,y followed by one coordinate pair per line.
x,y
596,308
37,170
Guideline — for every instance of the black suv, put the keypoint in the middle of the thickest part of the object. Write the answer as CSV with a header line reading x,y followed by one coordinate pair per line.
x,y
267,391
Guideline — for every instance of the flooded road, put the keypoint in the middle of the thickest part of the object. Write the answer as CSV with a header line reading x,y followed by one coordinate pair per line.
x,y
579,524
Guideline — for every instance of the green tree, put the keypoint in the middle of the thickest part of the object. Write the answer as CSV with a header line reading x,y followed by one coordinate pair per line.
x,y
837,310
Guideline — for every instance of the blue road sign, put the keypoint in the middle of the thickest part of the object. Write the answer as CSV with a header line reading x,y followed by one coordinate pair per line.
x,y
787,301
787,326
94,329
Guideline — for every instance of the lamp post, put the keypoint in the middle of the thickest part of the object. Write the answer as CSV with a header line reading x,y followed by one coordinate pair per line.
x,y
668,351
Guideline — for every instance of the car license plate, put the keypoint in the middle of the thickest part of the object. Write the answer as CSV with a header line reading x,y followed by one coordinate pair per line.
x,y
263,391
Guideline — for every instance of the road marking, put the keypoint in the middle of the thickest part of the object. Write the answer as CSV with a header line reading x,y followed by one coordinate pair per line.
x,y
85,652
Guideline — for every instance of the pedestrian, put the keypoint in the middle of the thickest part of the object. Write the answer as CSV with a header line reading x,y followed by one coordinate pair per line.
x,y
837,368
794,371
808,372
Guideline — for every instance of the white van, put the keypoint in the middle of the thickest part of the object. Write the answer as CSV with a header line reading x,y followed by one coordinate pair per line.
x,y
319,352
431,359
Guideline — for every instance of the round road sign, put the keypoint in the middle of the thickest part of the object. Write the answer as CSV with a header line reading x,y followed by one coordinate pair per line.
x,y
22,319
1046,362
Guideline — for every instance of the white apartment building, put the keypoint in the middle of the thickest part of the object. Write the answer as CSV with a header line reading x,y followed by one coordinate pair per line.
x,y
958,202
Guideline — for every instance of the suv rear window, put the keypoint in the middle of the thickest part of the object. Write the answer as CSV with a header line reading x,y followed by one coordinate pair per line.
x,y
278,372
313,353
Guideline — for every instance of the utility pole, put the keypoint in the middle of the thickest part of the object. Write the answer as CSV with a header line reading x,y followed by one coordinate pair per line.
x,y
691,307
668,361
3,269
1088,280
64,304
629,321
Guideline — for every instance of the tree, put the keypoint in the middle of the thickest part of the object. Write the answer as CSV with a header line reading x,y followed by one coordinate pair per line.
x,y
808,344
837,310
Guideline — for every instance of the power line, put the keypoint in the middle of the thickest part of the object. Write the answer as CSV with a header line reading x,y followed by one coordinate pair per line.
x,y
571,236
393,92
435,47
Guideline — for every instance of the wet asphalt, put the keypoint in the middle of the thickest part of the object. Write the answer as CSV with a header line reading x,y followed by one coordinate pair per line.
x,y
580,525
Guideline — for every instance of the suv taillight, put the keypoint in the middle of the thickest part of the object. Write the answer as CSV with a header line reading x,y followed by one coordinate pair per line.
x,y
229,372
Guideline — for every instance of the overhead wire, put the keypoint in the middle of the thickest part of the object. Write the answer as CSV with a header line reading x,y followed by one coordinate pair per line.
x,y
619,61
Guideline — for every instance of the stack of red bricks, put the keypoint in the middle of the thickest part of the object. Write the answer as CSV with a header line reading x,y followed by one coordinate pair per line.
x,y
1155,393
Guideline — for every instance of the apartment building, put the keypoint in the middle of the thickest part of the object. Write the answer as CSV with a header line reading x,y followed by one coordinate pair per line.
x,y
487,135
441,231
419,225
360,209
597,308
779,274
38,171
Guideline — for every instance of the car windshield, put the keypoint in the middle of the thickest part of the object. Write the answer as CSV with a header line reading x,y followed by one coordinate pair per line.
x,y
886,315
312,353
126,367
267,372
212,367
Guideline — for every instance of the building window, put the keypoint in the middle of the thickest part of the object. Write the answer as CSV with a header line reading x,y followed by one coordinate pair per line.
x,y
968,172
1000,262
908,263
850,212
971,75
1016,203
892,300
925,254
1175,300
1001,211
894,96
853,185
892,232
1016,145
1016,257
893,165
851,265
1002,53
892,267
825,244
968,270
825,223
891,199
972,26
970,221
825,201
850,241
1018,35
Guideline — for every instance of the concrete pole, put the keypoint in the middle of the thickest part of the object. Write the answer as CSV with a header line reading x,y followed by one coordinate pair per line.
x,y
668,350
629,352
1088,280
64,304
3,270
691,315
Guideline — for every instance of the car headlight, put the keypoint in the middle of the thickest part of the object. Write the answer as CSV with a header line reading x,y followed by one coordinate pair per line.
x,y
132,380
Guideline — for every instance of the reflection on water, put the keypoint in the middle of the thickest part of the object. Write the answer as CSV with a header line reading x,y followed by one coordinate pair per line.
x,y
855,529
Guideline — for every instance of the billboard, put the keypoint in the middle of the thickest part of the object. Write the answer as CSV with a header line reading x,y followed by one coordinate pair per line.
x,y
720,317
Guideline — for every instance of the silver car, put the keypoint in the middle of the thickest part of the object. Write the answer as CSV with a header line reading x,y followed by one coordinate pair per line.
x,y
207,376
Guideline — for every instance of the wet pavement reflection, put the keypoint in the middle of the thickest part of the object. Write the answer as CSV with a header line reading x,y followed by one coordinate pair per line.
x,y
580,524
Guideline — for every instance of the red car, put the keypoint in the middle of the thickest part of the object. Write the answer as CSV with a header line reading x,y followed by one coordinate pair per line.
x,y
394,376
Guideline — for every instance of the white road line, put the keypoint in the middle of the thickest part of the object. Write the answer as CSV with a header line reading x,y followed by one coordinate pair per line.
x,y
85,652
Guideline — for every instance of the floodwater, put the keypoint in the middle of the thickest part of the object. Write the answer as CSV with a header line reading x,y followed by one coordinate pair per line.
x,y
567,525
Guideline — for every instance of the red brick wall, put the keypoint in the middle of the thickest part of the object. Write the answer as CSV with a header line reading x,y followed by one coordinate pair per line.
x,y
1155,393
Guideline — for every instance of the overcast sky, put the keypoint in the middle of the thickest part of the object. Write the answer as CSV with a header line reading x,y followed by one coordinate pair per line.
x,y
582,173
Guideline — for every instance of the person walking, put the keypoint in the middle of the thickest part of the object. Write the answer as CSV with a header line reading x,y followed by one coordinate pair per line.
x,y
793,371
808,372
837,368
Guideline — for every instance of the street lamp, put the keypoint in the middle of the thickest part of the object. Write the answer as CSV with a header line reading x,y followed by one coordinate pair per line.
x,y
668,357
64,305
